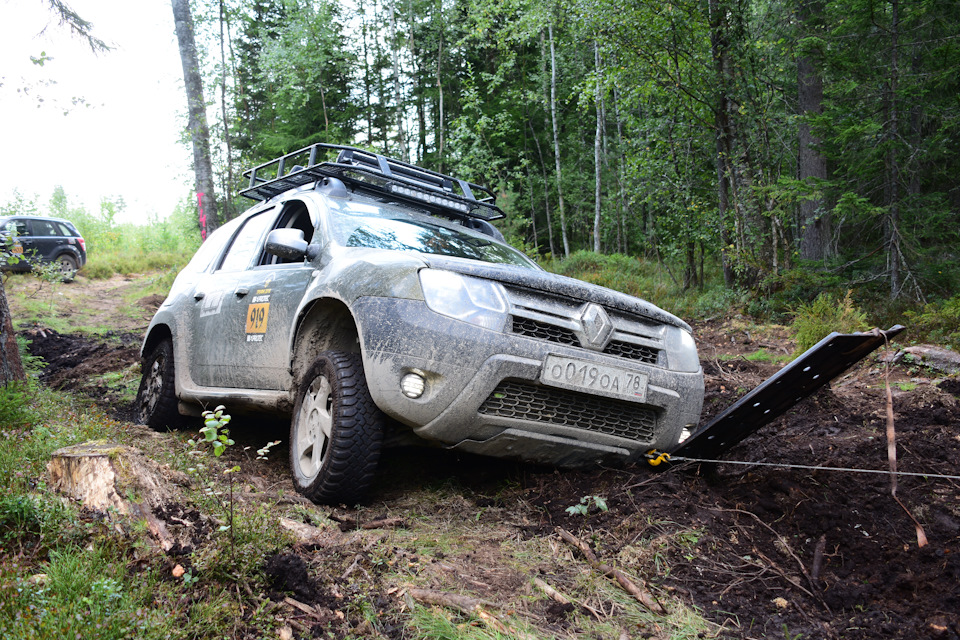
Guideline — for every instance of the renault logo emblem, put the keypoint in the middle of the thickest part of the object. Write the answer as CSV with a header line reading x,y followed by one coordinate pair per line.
x,y
596,326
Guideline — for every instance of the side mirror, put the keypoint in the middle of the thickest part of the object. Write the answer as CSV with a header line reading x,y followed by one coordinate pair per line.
x,y
287,244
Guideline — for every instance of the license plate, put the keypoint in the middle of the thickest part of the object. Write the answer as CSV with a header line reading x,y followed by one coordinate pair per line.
x,y
601,379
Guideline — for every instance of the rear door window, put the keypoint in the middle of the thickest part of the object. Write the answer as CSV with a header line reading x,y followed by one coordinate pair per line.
x,y
45,228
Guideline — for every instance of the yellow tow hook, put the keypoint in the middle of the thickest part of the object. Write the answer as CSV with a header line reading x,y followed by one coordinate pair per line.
x,y
654,457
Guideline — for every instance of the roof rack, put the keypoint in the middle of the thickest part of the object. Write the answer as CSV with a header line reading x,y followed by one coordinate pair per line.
x,y
375,175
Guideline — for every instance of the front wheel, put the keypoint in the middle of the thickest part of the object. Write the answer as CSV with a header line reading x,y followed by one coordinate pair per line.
x,y
157,405
336,432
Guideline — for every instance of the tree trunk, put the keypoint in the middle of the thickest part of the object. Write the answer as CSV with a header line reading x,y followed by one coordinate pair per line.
x,y
225,26
197,117
814,217
623,245
368,102
556,143
11,368
597,148
440,102
397,95
719,48
546,126
892,226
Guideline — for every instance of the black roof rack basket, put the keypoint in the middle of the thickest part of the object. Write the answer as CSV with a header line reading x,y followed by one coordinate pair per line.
x,y
374,175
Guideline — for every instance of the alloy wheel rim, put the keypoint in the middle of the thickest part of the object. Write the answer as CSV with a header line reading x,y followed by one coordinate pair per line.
x,y
314,427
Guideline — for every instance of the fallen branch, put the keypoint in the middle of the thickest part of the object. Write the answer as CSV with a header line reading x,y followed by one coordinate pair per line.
x,y
464,604
558,597
642,596
305,608
348,522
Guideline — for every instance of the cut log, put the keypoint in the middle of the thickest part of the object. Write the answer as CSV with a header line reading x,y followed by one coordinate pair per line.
x,y
115,478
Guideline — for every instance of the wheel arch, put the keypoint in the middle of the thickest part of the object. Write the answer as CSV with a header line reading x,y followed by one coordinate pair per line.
x,y
157,333
327,324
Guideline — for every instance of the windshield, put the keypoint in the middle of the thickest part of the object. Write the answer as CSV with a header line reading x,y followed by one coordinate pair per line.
x,y
365,225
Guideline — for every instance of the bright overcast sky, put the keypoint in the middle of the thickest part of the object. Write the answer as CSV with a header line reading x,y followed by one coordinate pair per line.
x,y
125,143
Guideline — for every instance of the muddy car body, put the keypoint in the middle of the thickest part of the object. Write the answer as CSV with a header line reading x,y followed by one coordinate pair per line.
x,y
362,314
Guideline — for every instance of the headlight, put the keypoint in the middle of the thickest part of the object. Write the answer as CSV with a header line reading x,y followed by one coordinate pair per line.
x,y
682,351
473,300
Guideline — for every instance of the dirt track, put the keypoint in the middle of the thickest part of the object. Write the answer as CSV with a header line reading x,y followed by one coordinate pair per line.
x,y
769,552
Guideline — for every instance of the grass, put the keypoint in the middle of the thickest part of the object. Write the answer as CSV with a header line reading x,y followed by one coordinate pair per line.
x,y
762,355
651,281
63,574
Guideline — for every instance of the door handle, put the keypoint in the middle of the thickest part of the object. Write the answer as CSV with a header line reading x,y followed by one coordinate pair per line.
x,y
199,295
241,292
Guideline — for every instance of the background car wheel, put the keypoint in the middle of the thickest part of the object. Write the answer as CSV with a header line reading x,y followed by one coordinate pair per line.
x,y
157,398
67,266
336,431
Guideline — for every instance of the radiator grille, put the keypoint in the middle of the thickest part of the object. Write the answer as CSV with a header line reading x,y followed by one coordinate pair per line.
x,y
632,351
536,403
547,332
544,331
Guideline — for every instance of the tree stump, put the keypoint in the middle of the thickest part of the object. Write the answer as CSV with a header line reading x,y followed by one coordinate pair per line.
x,y
114,478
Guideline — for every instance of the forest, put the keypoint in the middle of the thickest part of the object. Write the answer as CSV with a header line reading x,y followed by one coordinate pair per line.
x,y
781,147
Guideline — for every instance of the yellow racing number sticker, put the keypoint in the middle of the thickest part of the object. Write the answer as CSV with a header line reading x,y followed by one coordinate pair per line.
x,y
257,315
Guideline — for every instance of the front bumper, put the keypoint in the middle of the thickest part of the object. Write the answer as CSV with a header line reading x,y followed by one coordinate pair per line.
x,y
484,395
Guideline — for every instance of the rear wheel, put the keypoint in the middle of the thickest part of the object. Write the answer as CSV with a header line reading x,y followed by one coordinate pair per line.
x,y
157,398
67,267
336,432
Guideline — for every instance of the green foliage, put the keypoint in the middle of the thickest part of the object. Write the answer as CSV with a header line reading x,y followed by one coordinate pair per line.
x,y
719,302
826,314
214,430
586,504
762,355
15,409
616,271
126,248
937,321
24,514
82,594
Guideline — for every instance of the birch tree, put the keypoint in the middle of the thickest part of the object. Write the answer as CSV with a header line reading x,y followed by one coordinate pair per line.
x,y
197,126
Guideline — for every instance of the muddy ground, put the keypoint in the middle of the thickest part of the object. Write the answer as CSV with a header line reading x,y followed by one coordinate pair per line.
x,y
768,551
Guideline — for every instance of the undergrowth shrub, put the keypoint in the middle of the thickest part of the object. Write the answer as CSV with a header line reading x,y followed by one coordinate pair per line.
x,y
15,409
937,322
24,514
827,313
614,271
126,248
718,302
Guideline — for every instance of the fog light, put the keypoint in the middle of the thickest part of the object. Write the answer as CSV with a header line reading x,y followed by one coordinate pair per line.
x,y
412,385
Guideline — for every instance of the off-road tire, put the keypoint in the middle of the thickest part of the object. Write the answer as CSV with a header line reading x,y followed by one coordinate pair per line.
x,y
336,432
67,267
157,397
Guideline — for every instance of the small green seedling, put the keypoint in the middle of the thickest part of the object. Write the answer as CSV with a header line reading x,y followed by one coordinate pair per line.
x,y
215,430
586,502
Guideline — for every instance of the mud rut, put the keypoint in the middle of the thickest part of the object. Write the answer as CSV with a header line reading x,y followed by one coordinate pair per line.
x,y
822,554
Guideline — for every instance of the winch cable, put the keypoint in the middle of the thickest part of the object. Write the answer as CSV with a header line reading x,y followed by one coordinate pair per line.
x,y
784,465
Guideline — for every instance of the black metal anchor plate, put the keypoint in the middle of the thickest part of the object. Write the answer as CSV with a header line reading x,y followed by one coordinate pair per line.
x,y
817,366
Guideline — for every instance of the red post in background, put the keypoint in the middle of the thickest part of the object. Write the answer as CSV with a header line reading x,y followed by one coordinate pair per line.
x,y
203,217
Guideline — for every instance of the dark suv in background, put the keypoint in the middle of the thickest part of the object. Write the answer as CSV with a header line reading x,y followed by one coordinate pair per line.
x,y
38,239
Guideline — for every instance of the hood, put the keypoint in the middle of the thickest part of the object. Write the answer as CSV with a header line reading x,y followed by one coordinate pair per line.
x,y
557,285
